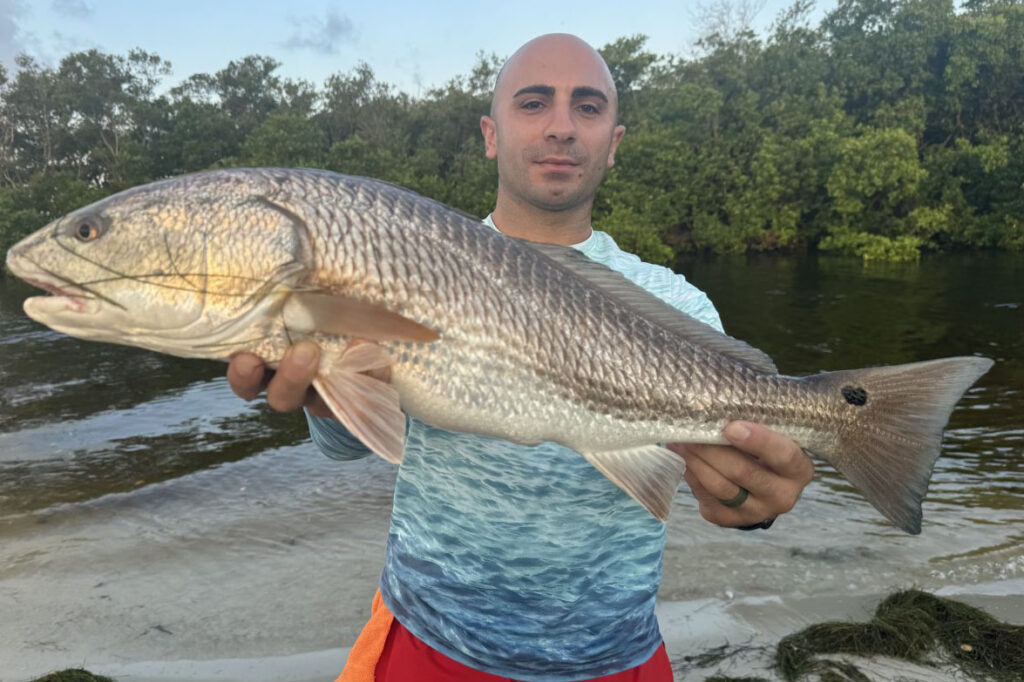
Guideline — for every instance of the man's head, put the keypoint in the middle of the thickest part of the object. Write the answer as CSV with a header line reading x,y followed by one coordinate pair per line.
x,y
552,124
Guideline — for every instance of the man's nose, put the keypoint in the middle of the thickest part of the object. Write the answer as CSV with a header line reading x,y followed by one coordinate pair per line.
x,y
561,125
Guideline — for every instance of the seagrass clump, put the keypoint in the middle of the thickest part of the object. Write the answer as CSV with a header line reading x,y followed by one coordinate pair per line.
x,y
72,675
915,626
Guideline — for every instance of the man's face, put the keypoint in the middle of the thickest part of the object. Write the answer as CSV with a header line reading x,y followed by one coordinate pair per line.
x,y
553,128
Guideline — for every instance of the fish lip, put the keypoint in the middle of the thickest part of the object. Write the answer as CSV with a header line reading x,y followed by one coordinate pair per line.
x,y
30,273
55,289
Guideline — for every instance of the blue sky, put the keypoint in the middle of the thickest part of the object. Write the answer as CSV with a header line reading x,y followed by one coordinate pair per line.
x,y
413,45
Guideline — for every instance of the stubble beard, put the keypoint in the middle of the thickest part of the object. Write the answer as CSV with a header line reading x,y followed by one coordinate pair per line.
x,y
546,195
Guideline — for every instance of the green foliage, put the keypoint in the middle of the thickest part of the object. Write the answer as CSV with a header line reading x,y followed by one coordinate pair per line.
x,y
634,234
25,208
285,139
890,128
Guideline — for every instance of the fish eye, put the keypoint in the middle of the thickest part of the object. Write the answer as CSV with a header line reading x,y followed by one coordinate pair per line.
x,y
86,231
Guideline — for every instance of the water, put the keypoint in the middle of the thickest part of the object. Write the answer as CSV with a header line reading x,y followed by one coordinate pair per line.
x,y
148,514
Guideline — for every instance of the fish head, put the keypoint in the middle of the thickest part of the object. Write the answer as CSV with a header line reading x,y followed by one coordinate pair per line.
x,y
184,266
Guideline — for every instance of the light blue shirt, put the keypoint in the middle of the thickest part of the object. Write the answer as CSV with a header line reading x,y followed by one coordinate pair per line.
x,y
524,561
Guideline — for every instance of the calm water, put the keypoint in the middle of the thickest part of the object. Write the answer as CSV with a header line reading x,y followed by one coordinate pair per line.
x,y
145,512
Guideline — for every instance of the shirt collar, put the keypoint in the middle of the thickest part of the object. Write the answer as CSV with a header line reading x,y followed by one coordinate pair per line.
x,y
583,246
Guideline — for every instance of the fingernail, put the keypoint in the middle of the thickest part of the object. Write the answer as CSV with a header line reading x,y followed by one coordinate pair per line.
x,y
736,431
304,353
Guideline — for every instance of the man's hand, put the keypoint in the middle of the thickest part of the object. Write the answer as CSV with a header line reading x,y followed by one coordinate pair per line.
x,y
771,467
289,387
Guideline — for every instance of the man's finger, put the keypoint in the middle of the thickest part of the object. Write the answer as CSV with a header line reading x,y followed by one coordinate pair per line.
x,y
775,451
719,485
710,503
245,375
287,391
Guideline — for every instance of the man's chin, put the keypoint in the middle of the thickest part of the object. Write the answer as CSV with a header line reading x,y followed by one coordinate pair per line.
x,y
562,202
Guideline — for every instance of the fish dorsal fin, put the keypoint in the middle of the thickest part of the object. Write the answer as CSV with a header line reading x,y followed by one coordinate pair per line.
x,y
368,407
650,474
652,308
336,314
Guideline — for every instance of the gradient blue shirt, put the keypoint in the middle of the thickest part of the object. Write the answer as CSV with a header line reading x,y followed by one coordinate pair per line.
x,y
523,561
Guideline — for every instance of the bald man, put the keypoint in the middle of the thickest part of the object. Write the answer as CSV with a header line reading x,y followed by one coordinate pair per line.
x,y
493,570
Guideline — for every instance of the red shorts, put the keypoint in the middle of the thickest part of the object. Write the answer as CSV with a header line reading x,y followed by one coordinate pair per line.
x,y
387,652
407,659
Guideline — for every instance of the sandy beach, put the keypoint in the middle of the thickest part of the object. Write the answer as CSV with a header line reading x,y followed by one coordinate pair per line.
x,y
743,631
262,569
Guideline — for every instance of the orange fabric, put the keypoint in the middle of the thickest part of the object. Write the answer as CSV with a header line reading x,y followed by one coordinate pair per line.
x,y
407,659
386,651
363,657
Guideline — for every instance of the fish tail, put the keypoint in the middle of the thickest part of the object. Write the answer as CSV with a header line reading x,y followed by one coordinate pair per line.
x,y
892,428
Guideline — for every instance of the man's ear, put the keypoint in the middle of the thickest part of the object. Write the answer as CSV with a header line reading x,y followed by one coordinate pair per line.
x,y
490,132
616,139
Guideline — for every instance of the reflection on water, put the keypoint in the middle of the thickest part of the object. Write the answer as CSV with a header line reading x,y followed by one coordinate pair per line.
x,y
137,492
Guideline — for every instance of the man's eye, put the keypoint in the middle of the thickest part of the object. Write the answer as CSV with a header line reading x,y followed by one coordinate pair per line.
x,y
590,109
532,104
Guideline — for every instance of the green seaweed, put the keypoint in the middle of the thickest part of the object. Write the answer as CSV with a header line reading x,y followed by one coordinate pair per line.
x,y
72,675
911,625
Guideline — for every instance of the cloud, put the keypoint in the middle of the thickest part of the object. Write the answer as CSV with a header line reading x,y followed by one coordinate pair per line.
x,y
321,35
10,33
76,9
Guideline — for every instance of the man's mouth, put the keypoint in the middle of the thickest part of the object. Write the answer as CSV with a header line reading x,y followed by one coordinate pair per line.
x,y
558,163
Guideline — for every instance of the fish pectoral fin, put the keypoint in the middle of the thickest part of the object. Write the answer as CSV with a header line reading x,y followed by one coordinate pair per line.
x,y
369,408
335,314
650,474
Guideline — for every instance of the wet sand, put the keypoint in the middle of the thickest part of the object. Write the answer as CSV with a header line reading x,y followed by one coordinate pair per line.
x,y
743,630
262,569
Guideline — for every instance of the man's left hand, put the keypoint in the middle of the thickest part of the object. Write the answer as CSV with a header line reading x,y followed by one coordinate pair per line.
x,y
771,467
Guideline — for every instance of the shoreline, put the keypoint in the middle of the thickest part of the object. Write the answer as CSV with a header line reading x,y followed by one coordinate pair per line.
x,y
705,637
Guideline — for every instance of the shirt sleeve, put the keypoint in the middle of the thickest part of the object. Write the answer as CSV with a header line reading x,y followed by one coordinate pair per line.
x,y
692,301
334,440
670,287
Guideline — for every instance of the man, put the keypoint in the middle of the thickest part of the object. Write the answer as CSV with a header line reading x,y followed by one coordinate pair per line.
x,y
491,571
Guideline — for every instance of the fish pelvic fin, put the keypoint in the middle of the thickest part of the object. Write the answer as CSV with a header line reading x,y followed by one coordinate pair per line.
x,y
650,474
368,407
888,449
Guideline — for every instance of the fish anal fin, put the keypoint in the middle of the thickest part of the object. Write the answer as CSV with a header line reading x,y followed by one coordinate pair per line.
x,y
369,408
345,316
650,474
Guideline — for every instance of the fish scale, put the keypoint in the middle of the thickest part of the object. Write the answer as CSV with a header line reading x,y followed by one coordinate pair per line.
x,y
481,333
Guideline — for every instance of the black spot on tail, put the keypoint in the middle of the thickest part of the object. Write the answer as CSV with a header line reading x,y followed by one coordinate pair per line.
x,y
855,396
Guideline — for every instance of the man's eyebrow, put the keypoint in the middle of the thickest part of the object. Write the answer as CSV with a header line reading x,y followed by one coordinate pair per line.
x,y
535,90
584,91
579,92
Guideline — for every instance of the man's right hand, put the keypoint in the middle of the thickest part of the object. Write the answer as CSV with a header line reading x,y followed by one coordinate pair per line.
x,y
289,387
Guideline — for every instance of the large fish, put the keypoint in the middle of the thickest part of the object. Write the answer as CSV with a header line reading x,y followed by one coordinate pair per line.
x,y
483,333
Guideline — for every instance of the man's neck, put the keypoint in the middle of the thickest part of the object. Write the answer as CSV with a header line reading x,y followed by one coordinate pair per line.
x,y
568,227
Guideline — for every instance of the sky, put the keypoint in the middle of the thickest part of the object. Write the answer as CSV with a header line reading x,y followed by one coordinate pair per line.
x,y
412,45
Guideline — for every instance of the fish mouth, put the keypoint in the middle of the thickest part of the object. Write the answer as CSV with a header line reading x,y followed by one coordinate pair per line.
x,y
65,295
76,299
